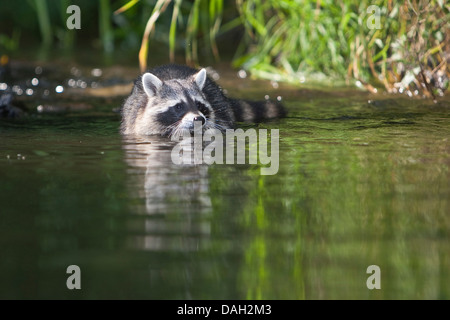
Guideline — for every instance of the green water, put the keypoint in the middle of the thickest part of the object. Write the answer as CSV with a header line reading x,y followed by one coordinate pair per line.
x,y
359,184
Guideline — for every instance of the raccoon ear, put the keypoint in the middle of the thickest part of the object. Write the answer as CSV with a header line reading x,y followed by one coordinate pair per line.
x,y
200,78
151,84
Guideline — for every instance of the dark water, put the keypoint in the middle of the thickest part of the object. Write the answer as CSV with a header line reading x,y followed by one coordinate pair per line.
x,y
359,184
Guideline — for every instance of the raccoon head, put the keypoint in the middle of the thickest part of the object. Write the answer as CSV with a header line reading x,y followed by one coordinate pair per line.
x,y
175,105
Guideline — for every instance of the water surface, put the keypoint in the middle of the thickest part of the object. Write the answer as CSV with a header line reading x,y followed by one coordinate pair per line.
x,y
359,184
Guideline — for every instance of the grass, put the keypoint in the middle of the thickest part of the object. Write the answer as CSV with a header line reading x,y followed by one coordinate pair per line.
x,y
295,40
399,46
203,17
105,27
44,21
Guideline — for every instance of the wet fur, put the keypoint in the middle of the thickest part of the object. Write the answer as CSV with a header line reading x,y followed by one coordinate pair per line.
x,y
144,114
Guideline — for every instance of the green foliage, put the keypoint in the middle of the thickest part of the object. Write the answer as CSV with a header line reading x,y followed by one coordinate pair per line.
x,y
295,40
10,43
195,20
44,21
401,45
105,26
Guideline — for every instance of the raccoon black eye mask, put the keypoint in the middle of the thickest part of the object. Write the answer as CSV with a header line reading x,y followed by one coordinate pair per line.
x,y
167,100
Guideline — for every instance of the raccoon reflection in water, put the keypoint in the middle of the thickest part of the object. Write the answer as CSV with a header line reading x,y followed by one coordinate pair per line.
x,y
179,190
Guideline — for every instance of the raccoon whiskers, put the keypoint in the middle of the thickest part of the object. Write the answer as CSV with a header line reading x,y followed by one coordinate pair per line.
x,y
173,129
221,123
165,95
213,125
179,130
218,121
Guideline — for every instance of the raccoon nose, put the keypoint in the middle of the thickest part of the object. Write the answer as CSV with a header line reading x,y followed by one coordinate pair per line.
x,y
200,118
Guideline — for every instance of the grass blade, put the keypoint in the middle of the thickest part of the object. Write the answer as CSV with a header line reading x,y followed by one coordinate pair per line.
x,y
159,8
44,21
126,6
173,29
106,33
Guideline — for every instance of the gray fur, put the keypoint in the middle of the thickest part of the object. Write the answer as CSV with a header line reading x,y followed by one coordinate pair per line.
x,y
151,84
167,99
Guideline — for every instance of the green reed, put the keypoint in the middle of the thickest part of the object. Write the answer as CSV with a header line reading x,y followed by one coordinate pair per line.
x,y
44,21
106,33
397,44
297,40
284,40
193,19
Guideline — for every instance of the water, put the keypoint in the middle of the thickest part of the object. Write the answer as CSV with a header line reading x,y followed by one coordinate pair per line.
x,y
359,184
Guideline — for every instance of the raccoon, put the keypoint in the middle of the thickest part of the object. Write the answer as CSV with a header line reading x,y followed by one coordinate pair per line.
x,y
169,99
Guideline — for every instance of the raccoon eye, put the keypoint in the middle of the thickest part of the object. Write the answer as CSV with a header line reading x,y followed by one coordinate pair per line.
x,y
202,108
179,106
